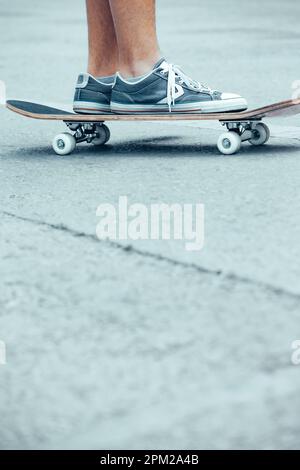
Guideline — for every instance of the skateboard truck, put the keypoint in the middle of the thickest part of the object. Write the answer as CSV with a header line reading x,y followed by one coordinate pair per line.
x,y
96,133
255,132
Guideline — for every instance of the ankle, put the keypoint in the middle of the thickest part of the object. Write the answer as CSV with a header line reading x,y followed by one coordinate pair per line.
x,y
98,73
138,67
102,70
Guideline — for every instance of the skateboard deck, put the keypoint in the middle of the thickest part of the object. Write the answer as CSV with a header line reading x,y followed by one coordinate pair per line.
x,y
241,126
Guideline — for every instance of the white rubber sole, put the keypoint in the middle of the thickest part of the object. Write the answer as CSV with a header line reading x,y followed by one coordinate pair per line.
x,y
221,106
85,107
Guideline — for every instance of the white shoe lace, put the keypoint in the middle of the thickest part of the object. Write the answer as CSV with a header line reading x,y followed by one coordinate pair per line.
x,y
176,75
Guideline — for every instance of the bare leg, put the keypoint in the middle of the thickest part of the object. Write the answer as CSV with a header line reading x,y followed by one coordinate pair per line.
x,y
103,49
135,27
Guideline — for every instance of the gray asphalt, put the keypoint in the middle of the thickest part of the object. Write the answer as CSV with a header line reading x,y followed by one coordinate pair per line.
x,y
150,346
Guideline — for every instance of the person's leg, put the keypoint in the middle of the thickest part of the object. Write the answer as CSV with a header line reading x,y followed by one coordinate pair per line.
x,y
93,89
135,27
103,48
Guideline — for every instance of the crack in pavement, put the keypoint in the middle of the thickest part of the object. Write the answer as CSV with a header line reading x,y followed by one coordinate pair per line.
x,y
161,258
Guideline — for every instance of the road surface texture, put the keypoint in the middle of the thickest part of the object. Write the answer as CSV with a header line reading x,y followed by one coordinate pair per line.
x,y
142,344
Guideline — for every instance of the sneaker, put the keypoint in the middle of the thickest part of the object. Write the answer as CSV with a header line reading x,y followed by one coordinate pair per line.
x,y
167,89
93,95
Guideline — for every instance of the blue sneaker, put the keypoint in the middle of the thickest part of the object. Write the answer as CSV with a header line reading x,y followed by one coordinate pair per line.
x,y
167,89
93,95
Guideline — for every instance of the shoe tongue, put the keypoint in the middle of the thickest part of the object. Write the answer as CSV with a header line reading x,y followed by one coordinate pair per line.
x,y
159,63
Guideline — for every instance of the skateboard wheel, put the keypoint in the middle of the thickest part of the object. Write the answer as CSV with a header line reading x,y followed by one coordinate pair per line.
x,y
260,134
103,135
64,144
229,143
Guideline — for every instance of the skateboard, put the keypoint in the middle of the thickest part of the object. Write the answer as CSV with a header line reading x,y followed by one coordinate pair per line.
x,y
246,126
